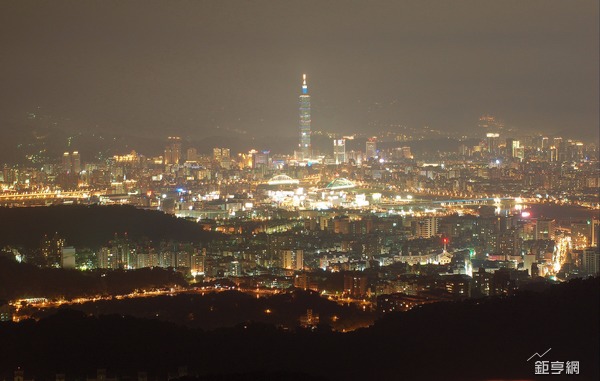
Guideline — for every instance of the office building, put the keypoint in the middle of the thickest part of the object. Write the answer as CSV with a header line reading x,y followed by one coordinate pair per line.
x,y
173,151
192,154
371,148
76,162
492,142
339,151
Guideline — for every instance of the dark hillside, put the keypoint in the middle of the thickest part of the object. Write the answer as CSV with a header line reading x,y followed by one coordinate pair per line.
x,y
93,225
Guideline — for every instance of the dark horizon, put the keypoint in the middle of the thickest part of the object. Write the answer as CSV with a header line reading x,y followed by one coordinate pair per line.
x,y
207,68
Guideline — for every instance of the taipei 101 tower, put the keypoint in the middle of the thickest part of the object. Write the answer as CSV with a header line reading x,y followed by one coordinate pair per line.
x,y
305,151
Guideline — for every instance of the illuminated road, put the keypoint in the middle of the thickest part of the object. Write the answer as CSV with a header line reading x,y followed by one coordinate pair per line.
x,y
561,248
43,303
54,195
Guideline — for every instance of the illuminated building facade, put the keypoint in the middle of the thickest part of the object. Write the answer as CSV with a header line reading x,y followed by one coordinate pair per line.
x,y
76,162
292,259
371,148
173,151
71,162
66,162
339,151
492,142
220,154
427,227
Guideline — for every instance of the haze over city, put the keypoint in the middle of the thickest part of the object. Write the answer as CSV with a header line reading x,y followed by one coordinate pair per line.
x,y
221,68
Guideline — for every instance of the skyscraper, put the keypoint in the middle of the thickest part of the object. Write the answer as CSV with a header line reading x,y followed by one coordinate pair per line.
x,y
305,147
66,162
492,142
76,162
339,151
173,151
371,148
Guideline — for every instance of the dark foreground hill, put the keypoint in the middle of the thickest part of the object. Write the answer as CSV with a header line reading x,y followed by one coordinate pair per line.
x,y
212,310
93,225
22,280
473,340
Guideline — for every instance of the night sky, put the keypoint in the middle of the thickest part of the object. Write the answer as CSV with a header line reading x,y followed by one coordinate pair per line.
x,y
199,67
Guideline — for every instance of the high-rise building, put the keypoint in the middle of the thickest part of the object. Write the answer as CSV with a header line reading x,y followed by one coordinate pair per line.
x,y
260,159
528,260
76,162
220,154
192,154
545,143
492,142
292,259
66,162
371,148
305,282
173,151
509,146
355,285
509,243
545,228
595,232
339,151
235,268
406,153
68,257
581,234
147,260
427,227
107,259
184,260
591,260
197,261
51,249
304,145
557,141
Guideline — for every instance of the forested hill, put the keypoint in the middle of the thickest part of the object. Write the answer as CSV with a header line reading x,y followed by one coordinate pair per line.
x,y
93,225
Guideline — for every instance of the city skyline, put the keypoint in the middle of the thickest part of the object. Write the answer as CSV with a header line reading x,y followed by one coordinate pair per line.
x,y
299,190
194,69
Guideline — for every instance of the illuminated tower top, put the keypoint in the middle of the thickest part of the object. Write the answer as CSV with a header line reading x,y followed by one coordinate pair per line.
x,y
304,86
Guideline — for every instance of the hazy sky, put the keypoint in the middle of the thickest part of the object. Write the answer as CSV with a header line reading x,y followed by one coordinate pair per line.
x,y
188,67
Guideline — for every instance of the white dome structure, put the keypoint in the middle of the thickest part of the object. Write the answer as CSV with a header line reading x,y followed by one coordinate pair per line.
x,y
282,180
340,183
